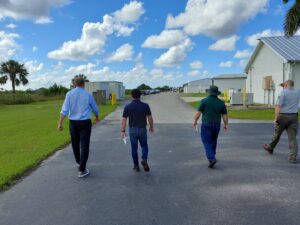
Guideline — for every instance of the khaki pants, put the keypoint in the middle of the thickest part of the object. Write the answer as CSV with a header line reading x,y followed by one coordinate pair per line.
x,y
288,122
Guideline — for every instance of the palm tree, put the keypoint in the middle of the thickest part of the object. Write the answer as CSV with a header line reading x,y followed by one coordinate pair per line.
x,y
77,76
292,19
15,72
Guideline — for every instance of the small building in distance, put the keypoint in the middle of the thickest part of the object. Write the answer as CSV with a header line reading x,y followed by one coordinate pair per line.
x,y
108,87
275,59
231,82
197,86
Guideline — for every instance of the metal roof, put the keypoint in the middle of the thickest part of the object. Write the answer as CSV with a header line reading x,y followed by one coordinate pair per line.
x,y
288,48
196,82
230,76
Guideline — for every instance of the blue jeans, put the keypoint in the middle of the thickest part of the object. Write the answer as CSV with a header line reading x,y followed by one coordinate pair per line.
x,y
209,136
138,135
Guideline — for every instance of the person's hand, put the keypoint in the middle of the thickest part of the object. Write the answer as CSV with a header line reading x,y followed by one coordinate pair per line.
x,y
97,120
60,127
151,129
194,124
225,127
123,135
276,124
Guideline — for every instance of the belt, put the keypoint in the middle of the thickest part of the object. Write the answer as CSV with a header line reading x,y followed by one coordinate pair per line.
x,y
289,113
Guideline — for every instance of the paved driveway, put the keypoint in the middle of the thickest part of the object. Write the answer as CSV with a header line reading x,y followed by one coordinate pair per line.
x,y
247,187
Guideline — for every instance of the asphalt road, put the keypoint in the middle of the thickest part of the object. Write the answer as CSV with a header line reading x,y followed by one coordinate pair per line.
x,y
248,186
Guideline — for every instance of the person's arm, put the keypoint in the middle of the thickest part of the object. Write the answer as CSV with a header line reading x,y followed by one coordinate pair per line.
x,y
196,118
151,123
95,109
279,103
123,127
198,114
276,112
225,121
63,113
150,119
224,117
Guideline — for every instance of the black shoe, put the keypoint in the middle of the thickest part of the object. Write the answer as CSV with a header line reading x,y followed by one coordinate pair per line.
x,y
136,168
212,163
145,165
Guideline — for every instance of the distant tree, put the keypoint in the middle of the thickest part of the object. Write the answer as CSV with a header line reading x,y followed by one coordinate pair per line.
x,y
164,88
76,76
57,89
15,72
144,87
292,18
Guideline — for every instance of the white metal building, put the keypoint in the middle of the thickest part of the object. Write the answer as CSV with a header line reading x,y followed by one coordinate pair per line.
x,y
197,86
274,60
108,86
232,82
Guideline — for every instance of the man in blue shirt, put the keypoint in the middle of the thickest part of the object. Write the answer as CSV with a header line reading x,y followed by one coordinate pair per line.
x,y
138,113
78,106
286,118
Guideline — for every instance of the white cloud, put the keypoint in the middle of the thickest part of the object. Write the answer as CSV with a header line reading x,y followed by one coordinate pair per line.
x,y
36,10
243,54
194,73
227,64
175,55
8,45
81,69
253,39
165,39
44,20
11,26
139,58
196,65
33,66
34,49
198,73
94,35
243,63
123,53
226,44
216,18
130,12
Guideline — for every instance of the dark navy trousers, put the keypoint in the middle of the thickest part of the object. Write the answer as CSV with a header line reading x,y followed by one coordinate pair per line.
x,y
80,131
209,136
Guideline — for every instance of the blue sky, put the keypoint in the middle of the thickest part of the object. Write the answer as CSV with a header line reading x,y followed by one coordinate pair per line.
x,y
153,42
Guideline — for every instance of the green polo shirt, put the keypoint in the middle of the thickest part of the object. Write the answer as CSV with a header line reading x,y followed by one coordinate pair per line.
x,y
212,108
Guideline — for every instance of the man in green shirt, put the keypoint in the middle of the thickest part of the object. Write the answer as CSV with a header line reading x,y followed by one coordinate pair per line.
x,y
212,109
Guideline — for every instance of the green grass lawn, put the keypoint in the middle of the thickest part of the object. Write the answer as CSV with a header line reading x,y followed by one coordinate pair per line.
x,y
250,114
193,95
28,135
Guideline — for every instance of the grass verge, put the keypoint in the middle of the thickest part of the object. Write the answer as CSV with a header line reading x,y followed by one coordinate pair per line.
x,y
28,136
249,114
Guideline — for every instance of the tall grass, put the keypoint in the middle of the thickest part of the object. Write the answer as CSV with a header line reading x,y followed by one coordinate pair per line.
x,y
25,98
17,98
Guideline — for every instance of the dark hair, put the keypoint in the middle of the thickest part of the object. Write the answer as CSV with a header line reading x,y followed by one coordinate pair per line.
x,y
79,82
136,93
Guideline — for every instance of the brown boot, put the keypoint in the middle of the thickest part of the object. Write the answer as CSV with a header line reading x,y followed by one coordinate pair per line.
x,y
292,159
268,148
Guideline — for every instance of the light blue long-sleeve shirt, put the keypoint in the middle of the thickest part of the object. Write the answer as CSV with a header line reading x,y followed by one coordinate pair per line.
x,y
79,104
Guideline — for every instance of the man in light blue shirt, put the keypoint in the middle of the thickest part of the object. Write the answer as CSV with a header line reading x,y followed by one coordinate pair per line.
x,y
78,106
286,118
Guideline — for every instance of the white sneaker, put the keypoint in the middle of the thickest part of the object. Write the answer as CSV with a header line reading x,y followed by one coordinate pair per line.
x,y
83,174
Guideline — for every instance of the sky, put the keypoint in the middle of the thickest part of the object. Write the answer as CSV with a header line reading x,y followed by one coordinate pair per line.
x,y
151,41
